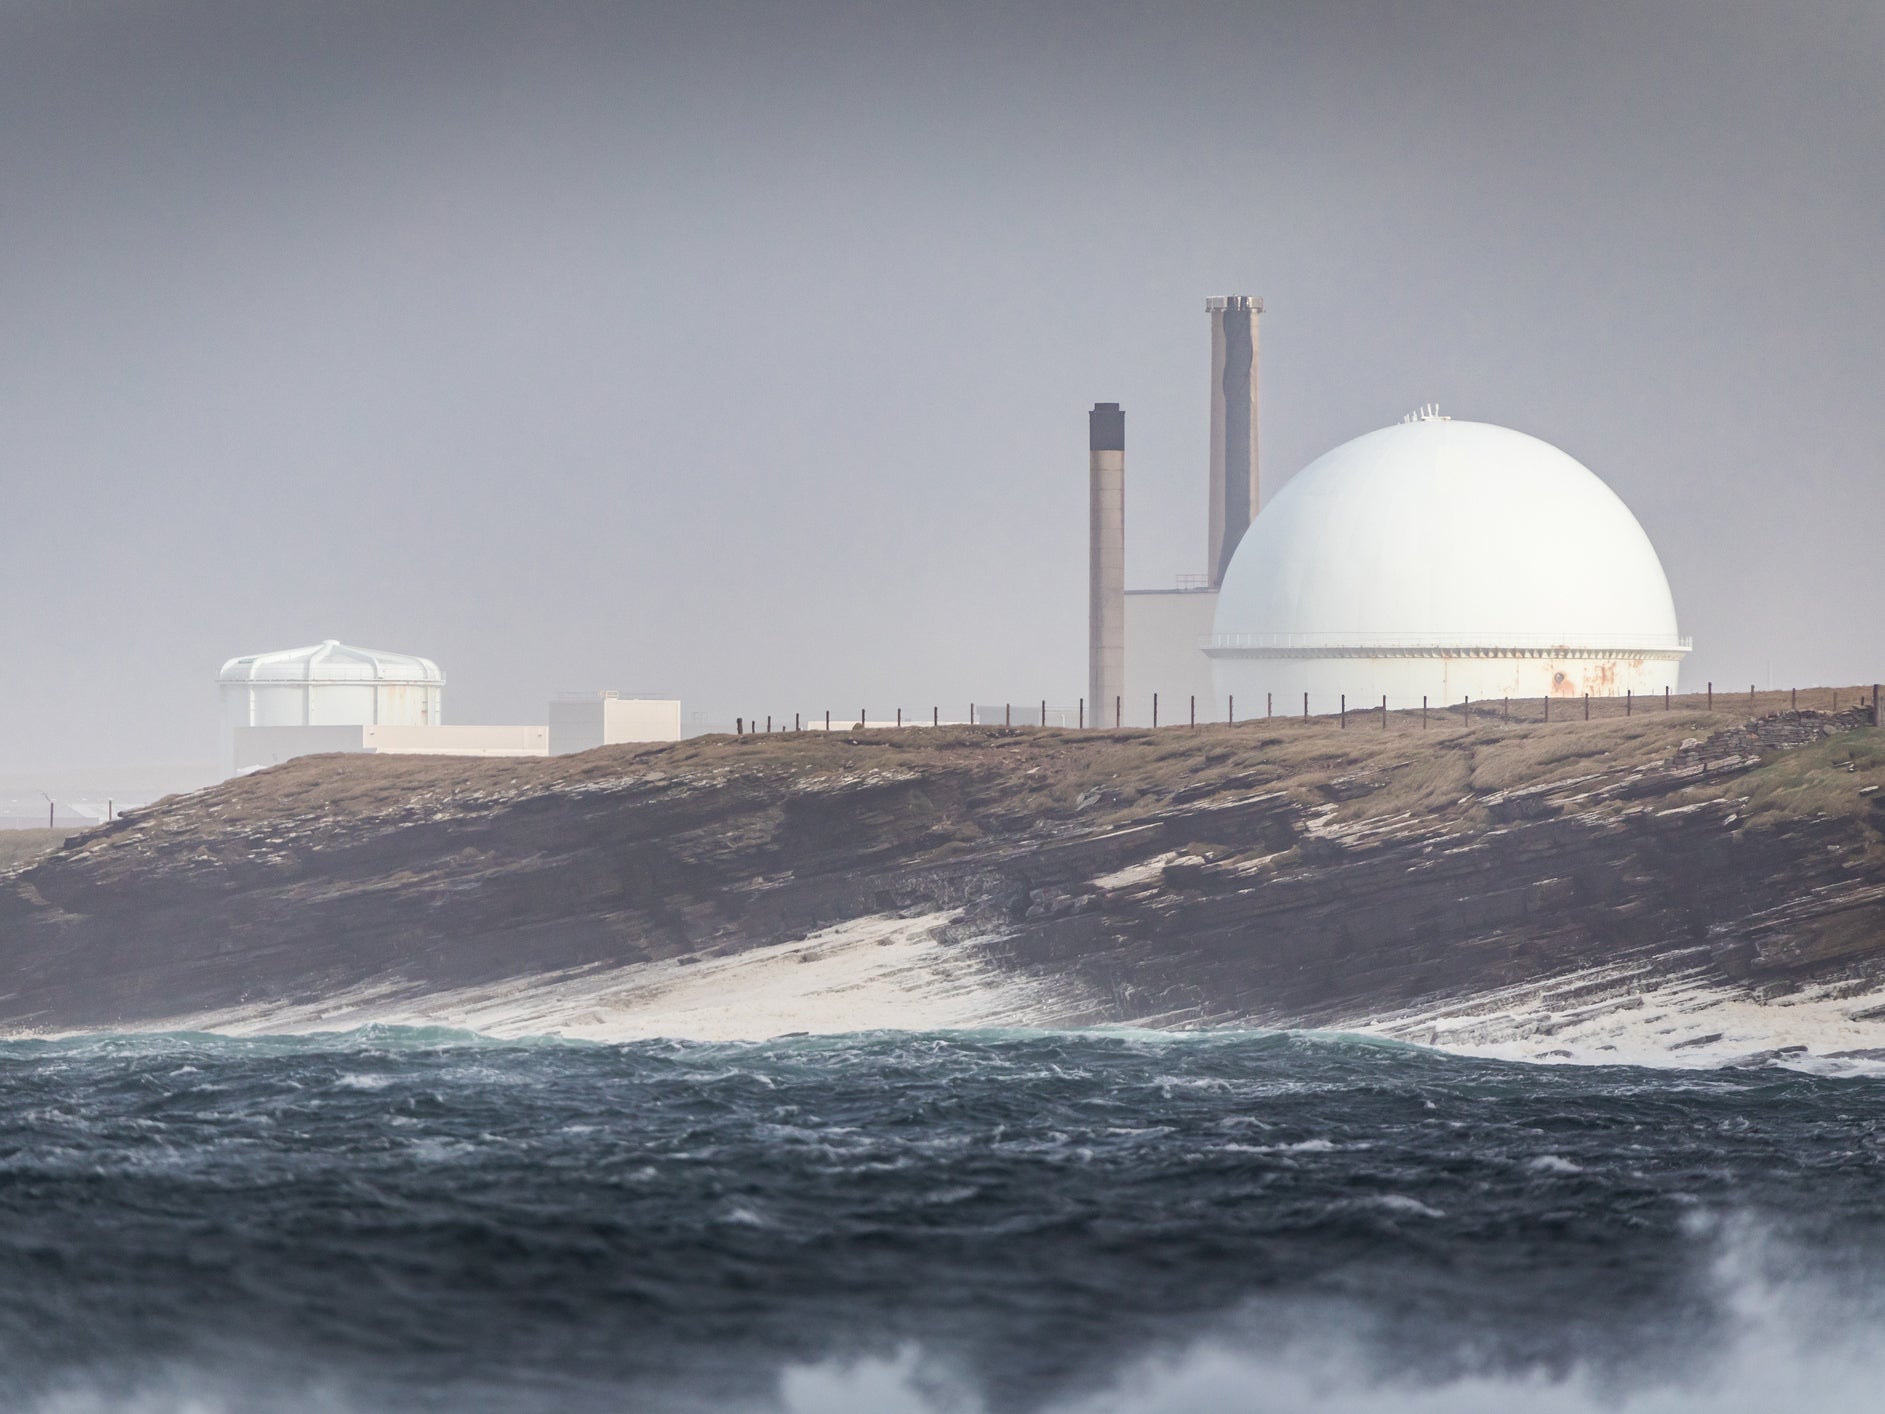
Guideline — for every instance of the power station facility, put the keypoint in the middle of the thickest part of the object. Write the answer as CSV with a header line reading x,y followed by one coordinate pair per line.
x,y
1426,562
332,697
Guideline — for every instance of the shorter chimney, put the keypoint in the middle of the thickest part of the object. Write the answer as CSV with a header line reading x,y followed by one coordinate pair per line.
x,y
1106,605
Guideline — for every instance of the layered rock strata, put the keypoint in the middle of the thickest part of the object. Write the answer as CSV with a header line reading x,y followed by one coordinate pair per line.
x,y
1277,873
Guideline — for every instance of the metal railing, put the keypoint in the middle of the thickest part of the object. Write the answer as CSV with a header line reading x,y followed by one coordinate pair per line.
x,y
1193,711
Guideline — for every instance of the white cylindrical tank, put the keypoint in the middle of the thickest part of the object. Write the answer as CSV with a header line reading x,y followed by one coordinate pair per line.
x,y
329,684
1443,559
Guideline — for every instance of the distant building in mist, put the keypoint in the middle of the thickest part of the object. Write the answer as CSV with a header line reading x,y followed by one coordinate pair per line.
x,y
1433,560
582,721
335,698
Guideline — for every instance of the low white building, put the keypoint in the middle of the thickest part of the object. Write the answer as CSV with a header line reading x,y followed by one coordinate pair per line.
x,y
1164,631
584,721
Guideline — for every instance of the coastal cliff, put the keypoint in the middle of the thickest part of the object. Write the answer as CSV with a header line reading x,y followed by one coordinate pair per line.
x,y
1529,885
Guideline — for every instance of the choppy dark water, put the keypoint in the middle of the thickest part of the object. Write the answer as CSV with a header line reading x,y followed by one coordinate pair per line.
x,y
410,1221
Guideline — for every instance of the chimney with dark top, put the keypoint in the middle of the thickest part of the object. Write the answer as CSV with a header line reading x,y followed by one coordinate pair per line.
x,y
1106,604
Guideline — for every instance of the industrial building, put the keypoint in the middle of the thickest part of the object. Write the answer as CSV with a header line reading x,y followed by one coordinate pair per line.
x,y
335,698
1426,562
1146,641
584,721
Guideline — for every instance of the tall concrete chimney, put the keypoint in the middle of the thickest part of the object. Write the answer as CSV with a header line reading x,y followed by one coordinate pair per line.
x,y
1234,483
1106,604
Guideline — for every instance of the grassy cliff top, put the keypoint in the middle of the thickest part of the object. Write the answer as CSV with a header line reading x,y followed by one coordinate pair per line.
x,y
1444,771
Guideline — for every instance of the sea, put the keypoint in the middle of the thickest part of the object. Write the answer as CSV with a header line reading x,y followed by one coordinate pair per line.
x,y
945,1223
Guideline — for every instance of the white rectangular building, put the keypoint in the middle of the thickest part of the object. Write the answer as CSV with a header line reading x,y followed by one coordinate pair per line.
x,y
1165,634
584,722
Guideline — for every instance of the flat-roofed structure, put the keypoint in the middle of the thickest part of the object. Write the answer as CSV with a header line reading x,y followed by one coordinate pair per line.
x,y
584,721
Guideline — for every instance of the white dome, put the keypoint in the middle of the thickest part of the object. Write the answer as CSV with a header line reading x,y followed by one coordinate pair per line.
x,y
1437,542
333,661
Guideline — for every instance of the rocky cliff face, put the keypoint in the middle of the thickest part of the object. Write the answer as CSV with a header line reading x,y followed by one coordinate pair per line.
x,y
1277,873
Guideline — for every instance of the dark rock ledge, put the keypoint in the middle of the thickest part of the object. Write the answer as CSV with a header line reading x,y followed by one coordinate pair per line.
x,y
1283,873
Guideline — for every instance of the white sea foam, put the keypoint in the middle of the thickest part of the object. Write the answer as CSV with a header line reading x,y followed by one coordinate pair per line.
x,y
876,973
1553,1163
1630,1015
886,972
1789,1344
1753,1377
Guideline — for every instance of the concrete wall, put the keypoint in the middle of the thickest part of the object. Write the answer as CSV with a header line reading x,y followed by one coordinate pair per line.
x,y
457,741
322,703
584,723
1164,628
331,704
253,747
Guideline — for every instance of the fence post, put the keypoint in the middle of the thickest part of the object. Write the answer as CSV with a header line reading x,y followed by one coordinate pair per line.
x,y
1587,706
1155,711
1423,711
768,724
1083,713
1194,709
1231,711
1043,711
1344,710
899,716
1629,700
1305,706
1875,721
739,726
795,723
1119,712
1711,696
1469,710
1508,711
935,716
1547,707
1007,714
1384,711
1793,702
1269,705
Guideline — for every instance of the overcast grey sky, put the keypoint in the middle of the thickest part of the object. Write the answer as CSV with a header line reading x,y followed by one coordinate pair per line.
x,y
742,351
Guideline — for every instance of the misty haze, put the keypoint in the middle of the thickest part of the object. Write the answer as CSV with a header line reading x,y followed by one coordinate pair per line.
x,y
946,709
